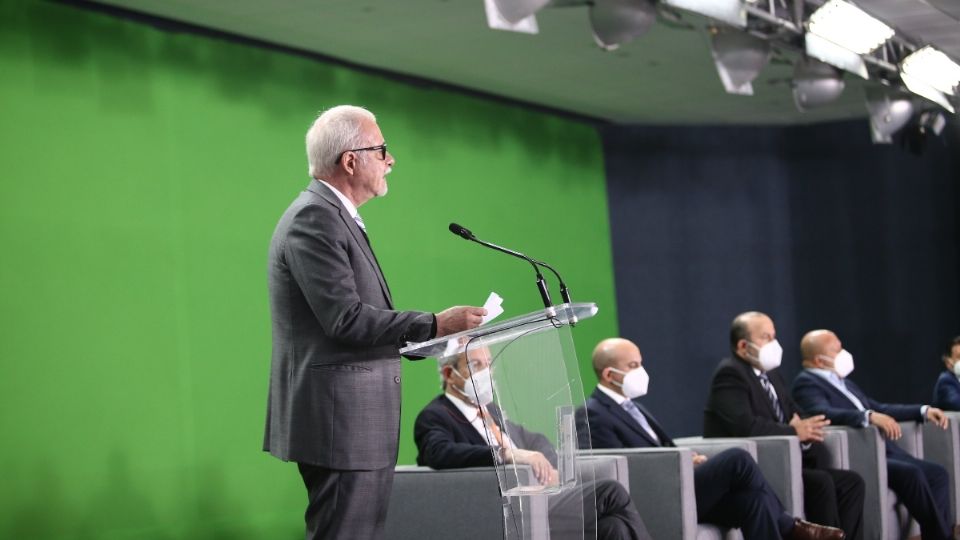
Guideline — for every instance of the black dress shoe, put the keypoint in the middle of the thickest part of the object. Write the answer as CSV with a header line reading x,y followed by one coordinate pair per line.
x,y
804,530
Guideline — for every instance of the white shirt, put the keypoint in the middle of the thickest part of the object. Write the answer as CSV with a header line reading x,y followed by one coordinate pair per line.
x,y
619,398
351,208
471,413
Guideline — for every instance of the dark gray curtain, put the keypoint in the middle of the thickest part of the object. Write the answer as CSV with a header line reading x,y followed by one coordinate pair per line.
x,y
814,225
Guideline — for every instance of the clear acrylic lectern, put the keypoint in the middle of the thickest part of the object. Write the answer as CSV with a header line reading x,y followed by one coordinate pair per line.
x,y
536,382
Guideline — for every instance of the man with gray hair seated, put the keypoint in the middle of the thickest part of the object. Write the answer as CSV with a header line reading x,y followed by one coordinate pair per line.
x,y
453,431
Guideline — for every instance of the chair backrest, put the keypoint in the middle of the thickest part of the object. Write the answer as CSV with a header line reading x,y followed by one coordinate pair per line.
x,y
868,457
838,447
943,448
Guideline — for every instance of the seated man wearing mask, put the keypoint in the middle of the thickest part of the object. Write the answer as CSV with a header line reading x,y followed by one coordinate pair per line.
x,y
748,398
452,432
822,388
946,393
730,489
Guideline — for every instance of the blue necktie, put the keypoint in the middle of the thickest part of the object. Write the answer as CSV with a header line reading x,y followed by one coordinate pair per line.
x,y
772,395
635,413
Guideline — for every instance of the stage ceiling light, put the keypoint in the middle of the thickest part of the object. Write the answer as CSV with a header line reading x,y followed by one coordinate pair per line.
x,y
849,27
731,12
815,83
516,10
888,114
616,22
931,74
739,58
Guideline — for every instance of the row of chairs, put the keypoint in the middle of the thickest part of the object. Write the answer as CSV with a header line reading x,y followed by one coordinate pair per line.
x,y
465,503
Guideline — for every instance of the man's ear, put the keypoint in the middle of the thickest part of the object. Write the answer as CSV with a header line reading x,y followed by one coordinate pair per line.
x,y
349,162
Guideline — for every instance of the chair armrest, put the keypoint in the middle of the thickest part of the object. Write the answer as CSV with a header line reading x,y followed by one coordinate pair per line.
x,y
604,467
911,440
780,460
839,448
661,485
712,447
942,446
868,458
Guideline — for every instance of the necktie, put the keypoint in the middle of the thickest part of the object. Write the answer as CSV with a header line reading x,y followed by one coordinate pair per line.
x,y
360,223
635,413
772,395
492,427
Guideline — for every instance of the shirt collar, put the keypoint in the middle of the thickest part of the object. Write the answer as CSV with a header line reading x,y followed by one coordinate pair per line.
x,y
827,374
469,410
351,208
619,398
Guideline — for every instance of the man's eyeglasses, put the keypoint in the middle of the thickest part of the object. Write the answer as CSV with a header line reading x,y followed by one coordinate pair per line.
x,y
380,148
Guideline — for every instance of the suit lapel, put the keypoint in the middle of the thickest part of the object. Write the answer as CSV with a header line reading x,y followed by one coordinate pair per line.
x,y
665,439
463,424
618,411
757,389
823,383
358,235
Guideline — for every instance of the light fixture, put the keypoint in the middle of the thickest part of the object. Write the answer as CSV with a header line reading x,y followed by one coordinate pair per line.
x,y
616,22
848,26
815,83
931,74
739,57
514,11
932,121
888,114
827,51
731,12
498,21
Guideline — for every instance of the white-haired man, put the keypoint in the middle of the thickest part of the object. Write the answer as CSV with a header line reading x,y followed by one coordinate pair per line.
x,y
334,403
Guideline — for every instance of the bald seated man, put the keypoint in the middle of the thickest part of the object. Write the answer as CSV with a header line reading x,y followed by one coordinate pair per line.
x,y
462,427
823,388
730,489
749,398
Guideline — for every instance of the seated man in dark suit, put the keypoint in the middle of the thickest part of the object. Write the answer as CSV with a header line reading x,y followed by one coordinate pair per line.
x,y
748,398
458,428
730,489
822,388
946,393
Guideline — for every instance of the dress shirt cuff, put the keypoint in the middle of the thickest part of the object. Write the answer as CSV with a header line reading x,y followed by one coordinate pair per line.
x,y
923,412
866,417
806,445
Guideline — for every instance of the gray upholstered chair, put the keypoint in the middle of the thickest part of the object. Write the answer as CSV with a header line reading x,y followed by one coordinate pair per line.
x,y
661,485
466,503
943,448
780,461
883,517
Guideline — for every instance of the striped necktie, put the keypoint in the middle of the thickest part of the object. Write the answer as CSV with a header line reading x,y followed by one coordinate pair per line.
x,y
772,395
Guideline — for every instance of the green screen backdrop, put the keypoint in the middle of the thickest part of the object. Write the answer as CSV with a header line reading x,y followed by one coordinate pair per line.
x,y
143,173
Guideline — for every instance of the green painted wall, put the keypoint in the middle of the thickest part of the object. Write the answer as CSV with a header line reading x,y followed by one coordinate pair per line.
x,y
143,173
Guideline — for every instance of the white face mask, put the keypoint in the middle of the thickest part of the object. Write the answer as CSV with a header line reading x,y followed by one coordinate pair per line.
x,y
769,356
480,385
842,363
635,382
956,368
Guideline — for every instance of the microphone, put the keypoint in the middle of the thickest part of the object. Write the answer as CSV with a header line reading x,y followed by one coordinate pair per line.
x,y
465,233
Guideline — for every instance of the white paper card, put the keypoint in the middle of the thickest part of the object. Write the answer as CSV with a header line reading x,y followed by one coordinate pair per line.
x,y
493,307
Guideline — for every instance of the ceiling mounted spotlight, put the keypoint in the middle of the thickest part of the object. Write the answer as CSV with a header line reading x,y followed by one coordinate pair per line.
x,y
815,83
731,12
931,74
515,11
888,114
849,27
739,58
616,22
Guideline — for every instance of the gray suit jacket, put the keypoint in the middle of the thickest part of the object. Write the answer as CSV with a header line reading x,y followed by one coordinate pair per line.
x,y
334,396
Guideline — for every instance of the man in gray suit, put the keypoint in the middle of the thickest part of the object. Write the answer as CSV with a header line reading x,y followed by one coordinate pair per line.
x,y
334,403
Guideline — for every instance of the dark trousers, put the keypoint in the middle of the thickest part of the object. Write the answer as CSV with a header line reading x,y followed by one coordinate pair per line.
x,y
731,492
922,487
346,504
606,503
835,498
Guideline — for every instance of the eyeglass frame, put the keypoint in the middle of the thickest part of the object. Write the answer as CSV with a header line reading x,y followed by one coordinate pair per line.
x,y
381,147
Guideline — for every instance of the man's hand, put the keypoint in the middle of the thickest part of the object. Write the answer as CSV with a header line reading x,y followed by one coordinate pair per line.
x,y
458,318
888,426
809,429
698,459
936,416
541,466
